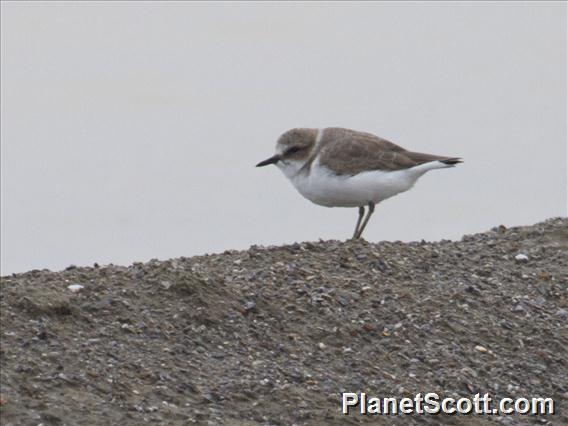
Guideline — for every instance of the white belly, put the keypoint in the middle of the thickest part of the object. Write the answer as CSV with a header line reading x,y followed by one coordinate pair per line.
x,y
325,188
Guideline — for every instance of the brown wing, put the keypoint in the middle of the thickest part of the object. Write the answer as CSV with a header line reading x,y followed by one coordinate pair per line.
x,y
347,152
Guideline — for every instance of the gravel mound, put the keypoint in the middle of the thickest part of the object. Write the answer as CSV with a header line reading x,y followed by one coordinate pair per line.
x,y
274,335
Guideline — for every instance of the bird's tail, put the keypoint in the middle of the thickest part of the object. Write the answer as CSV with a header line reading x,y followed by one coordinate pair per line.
x,y
451,161
431,161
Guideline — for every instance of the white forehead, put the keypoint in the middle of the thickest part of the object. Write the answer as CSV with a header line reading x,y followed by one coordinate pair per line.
x,y
279,147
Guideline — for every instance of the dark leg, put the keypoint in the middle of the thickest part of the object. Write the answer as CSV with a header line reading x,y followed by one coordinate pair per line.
x,y
361,213
369,213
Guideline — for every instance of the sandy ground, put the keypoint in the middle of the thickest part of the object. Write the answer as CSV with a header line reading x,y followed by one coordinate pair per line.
x,y
274,335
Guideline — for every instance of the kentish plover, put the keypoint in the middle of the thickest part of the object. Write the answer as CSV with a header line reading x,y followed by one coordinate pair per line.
x,y
336,167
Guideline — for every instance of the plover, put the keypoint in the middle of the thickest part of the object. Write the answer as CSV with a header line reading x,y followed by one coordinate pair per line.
x,y
336,167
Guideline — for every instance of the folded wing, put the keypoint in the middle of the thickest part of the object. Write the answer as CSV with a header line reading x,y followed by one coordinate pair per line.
x,y
347,152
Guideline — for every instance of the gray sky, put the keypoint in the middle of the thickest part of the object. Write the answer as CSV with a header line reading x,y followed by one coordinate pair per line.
x,y
130,130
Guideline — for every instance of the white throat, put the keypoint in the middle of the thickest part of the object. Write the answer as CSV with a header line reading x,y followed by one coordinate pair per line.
x,y
290,168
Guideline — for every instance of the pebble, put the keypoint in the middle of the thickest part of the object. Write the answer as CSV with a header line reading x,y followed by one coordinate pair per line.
x,y
249,306
75,288
521,257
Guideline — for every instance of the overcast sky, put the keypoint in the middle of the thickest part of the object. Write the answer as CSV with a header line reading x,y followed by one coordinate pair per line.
x,y
130,130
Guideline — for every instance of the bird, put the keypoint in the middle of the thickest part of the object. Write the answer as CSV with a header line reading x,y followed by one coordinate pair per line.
x,y
339,167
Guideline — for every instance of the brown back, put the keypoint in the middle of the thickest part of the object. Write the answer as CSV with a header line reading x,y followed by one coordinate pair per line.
x,y
348,152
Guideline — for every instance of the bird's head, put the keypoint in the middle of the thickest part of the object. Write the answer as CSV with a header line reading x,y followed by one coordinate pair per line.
x,y
293,149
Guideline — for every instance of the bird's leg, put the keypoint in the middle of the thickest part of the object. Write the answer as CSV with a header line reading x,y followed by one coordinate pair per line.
x,y
361,213
369,213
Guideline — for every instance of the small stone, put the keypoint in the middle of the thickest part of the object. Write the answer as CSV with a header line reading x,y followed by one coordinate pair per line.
x,y
75,288
544,276
481,349
521,257
473,290
321,345
247,308
128,328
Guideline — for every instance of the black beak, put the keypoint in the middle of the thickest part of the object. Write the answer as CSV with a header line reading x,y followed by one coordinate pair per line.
x,y
272,160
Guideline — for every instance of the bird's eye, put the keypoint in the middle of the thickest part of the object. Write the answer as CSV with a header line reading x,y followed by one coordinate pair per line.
x,y
293,150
